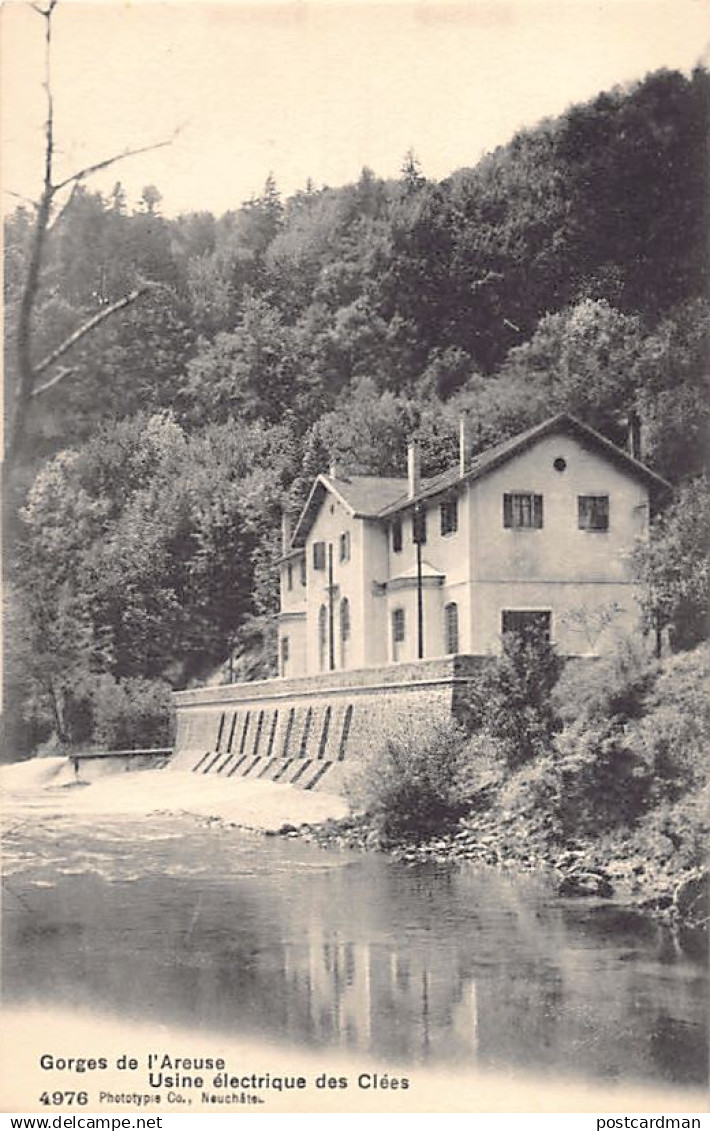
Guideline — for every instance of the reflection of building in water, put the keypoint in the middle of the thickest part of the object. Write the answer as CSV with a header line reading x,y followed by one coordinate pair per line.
x,y
354,992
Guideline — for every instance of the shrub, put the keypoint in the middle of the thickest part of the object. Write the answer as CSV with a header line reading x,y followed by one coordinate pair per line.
x,y
592,780
132,713
603,781
674,734
410,786
534,789
677,830
510,698
612,687
481,771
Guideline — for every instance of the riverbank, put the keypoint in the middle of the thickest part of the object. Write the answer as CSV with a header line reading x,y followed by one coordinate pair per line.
x,y
259,806
609,868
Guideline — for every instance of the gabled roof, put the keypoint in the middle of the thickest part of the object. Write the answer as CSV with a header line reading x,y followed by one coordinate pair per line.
x,y
363,496
492,458
372,496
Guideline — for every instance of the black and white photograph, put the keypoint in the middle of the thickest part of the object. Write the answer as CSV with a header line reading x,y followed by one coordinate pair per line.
x,y
356,619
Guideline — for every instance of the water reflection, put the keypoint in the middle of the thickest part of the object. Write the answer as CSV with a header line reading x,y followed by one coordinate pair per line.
x,y
240,934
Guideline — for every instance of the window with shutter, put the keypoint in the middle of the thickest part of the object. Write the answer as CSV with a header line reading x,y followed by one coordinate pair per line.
x,y
322,637
397,535
449,516
319,555
451,626
398,626
593,512
522,510
344,630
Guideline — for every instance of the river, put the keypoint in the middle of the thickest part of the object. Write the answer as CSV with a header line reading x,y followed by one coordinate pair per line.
x,y
177,918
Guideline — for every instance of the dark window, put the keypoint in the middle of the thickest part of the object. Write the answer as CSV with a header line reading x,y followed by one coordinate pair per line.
x,y
419,527
397,535
303,571
345,546
344,631
285,650
289,576
319,555
344,619
560,464
522,511
451,626
593,512
449,516
398,626
322,636
532,623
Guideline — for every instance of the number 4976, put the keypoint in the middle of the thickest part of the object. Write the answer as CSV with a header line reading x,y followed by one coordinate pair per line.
x,y
55,1099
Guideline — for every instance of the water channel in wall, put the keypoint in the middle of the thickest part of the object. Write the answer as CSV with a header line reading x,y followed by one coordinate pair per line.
x,y
231,934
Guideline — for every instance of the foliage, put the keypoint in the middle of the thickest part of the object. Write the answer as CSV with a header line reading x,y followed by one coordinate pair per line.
x,y
565,271
634,743
510,698
602,778
410,787
611,688
679,830
139,551
673,734
132,714
673,566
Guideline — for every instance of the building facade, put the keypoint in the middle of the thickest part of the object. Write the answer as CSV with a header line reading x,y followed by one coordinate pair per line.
x,y
537,530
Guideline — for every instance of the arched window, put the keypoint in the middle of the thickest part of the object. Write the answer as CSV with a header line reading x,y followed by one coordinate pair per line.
x,y
344,631
451,626
398,633
322,638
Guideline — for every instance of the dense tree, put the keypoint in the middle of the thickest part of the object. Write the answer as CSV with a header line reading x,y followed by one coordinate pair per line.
x,y
565,271
674,568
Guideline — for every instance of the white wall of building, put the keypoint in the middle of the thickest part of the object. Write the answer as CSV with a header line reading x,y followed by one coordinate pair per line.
x,y
576,574
332,521
582,577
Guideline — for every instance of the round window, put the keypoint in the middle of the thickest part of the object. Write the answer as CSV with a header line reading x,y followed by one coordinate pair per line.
x,y
560,464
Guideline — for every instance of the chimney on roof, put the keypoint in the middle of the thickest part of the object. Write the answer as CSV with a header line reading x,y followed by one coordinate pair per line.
x,y
285,532
413,470
634,435
464,446
333,470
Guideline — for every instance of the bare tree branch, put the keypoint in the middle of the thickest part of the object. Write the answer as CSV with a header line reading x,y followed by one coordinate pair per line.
x,y
87,327
27,372
108,161
58,376
62,211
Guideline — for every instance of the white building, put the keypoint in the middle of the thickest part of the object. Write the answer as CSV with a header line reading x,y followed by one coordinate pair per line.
x,y
540,528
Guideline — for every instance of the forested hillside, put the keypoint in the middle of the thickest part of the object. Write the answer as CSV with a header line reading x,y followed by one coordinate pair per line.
x,y
566,270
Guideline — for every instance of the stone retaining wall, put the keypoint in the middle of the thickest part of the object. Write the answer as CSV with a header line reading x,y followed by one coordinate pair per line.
x,y
307,732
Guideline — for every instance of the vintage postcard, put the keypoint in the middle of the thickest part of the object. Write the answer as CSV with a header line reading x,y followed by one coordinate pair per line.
x,y
355,531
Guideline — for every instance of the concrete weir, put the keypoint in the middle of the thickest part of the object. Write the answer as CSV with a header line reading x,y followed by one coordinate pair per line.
x,y
310,732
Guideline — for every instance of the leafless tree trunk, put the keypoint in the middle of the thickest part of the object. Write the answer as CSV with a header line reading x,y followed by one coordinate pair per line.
x,y
28,372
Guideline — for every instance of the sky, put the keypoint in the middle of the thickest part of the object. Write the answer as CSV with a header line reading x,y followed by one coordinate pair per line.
x,y
311,89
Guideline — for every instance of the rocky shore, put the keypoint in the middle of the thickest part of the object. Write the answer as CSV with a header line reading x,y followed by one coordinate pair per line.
x,y
657,886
